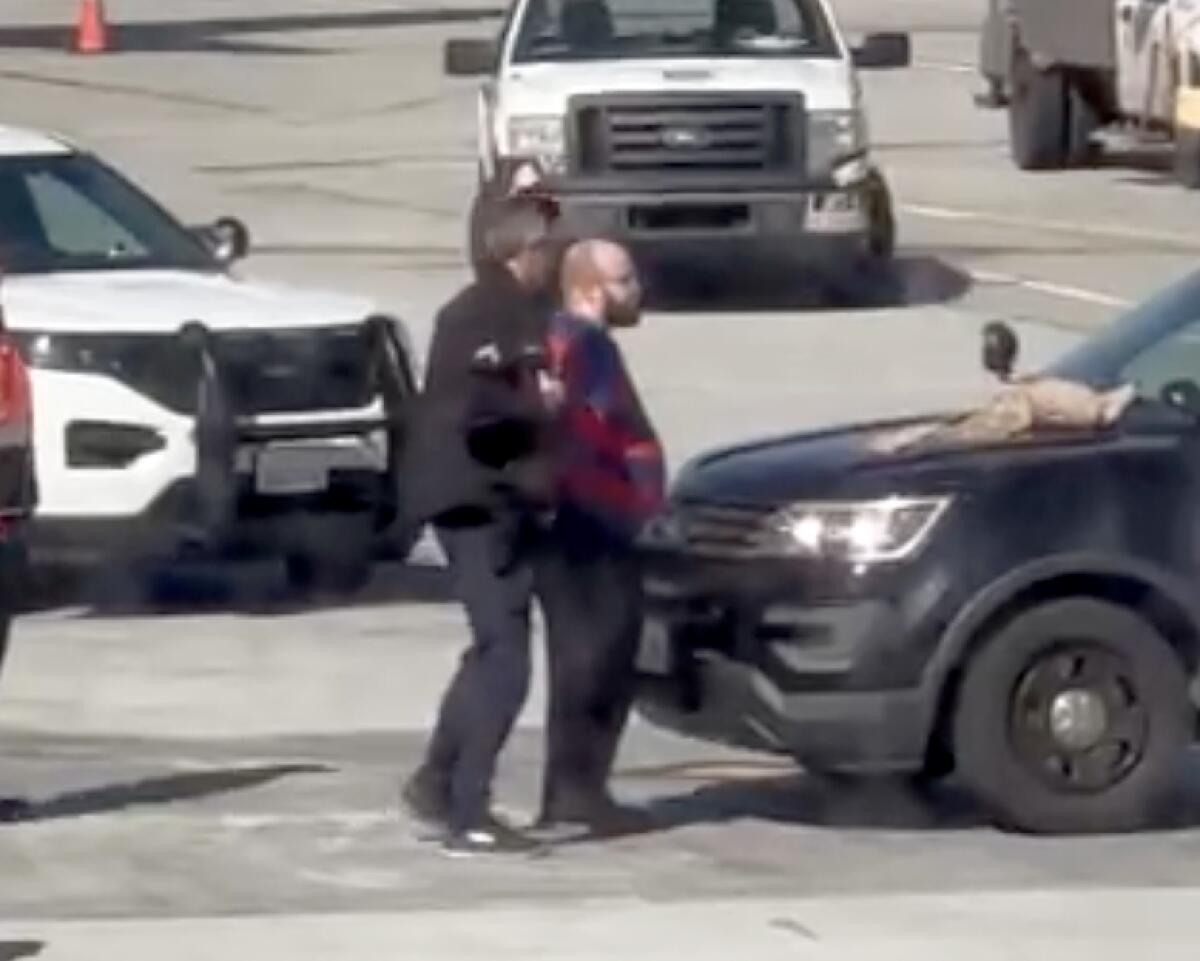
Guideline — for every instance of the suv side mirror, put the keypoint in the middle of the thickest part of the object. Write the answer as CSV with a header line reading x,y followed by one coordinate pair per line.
x,y
469,57
883,51
229,239
1000,347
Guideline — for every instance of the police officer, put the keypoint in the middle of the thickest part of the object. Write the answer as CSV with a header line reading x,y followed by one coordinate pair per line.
x,y
479,477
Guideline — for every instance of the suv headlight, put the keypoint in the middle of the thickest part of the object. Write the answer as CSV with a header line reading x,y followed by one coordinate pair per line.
x,y
538,138
834,136
888,529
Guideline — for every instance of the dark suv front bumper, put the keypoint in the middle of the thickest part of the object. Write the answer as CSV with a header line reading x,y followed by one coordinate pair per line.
x,y
826,666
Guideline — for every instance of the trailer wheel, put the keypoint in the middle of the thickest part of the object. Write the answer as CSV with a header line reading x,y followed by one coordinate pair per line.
x,y
1187,158
1038,116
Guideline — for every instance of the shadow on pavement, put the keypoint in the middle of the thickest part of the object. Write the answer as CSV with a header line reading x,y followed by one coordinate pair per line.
x,y
252,590
805,799
218,34
913,281
162,790
15,950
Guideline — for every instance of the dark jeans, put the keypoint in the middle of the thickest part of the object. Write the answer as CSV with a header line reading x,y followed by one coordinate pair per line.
x,y
591,592
492,569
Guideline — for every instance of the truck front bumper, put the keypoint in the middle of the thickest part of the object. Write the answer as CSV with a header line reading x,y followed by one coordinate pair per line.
x,y
813,224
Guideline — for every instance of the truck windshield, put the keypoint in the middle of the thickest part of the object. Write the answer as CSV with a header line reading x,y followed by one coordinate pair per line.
x,y
558,30
67,212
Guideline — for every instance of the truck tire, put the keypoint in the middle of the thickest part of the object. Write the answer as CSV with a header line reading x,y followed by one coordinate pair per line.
x,y
1083,120
1073,718
1187,158
1038,116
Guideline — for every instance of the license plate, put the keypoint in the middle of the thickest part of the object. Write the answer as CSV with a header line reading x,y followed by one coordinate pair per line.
x,y
292,470
835,213
654,652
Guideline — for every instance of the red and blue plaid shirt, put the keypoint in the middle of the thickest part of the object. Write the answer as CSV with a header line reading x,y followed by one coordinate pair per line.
x,y
610,460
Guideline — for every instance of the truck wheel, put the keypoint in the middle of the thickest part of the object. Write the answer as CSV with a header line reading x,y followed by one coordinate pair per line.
x,y
1037,116
1083,121
1073,719
1187,158
475,249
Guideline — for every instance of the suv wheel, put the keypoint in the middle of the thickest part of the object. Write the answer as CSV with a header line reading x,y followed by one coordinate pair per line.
x,y
331,558
5,630
314,573
1073,718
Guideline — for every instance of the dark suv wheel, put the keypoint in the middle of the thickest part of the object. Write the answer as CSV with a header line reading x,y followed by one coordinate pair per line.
x,y
1073,719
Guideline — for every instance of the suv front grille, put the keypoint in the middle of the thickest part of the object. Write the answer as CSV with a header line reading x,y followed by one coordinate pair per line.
x,y
701,134
265,372
298,370
723,531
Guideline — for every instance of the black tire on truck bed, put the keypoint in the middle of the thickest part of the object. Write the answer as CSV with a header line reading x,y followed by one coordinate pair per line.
x,y
1038,116
1020,698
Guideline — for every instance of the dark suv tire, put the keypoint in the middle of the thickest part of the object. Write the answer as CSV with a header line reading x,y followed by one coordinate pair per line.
x,y
1073,719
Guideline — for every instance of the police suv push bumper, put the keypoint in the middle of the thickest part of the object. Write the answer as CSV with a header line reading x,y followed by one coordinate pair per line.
x,y
224,481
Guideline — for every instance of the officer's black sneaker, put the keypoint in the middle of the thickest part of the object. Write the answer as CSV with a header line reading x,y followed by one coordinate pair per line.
x,y
490,837
599,817
425,800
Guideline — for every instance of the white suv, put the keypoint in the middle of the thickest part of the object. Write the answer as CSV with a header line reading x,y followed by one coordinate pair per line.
x,y
179,407
689,123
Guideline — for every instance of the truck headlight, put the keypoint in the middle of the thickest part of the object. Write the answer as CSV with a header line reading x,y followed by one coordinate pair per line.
x,y
888,529
538,138
834,136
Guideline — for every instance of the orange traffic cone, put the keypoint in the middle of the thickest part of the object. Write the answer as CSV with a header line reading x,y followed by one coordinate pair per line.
x,y
91,34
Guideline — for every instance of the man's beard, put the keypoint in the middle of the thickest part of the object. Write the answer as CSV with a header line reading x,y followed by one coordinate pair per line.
x,y
622,313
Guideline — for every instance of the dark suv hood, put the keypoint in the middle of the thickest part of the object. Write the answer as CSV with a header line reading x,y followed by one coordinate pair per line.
x,y
845,462
777,469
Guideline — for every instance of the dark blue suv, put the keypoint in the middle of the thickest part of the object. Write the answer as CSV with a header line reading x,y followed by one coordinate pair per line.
x,y
1025,611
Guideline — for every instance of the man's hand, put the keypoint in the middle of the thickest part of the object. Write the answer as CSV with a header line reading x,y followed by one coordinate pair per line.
x,y
553,391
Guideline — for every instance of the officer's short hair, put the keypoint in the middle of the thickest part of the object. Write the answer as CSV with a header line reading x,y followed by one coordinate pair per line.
x,y
513,226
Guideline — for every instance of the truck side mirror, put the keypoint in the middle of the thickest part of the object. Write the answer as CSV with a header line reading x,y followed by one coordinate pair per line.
x,y
1000,347
883,51
469,57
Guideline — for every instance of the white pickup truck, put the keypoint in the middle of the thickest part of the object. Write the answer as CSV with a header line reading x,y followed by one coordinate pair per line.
x,y
691,124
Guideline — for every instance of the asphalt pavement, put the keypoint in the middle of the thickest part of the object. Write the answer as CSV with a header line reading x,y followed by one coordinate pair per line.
x,y
214,774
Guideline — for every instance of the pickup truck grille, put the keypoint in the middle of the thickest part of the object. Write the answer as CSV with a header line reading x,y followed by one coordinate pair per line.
x,y
692,134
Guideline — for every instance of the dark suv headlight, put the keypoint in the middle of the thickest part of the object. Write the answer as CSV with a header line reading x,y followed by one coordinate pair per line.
x,y
887,529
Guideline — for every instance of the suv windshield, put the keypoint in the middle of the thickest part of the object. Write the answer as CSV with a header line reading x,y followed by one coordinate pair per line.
x,y
71,212
555,30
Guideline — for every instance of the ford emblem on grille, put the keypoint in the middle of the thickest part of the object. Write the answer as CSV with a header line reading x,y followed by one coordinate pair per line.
x,y
685,138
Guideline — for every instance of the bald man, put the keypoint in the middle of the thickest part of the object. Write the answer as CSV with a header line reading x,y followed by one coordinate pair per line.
x,y
611,480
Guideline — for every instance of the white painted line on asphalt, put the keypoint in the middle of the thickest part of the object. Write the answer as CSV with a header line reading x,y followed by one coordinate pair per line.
x,y
1066,291
1076,293
943,66
1186,242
